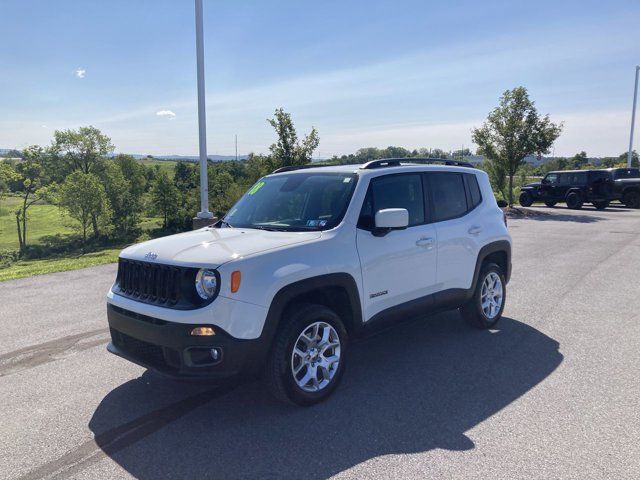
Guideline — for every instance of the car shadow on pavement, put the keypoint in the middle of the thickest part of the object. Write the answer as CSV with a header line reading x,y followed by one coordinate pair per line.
x,y
561,213
410,389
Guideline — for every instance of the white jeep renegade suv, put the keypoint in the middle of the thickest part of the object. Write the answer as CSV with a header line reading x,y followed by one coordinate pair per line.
x,y
308,259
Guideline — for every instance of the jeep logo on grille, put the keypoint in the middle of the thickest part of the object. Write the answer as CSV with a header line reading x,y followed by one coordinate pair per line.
x,y
151,256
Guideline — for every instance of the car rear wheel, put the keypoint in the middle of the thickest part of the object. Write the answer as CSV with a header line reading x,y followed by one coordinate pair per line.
x,y
526,199
485,307
574,201
307,360
601,205
550,203
632,199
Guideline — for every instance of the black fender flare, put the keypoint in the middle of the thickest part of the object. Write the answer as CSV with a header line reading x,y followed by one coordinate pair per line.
x,y
574,190
288,293
499,246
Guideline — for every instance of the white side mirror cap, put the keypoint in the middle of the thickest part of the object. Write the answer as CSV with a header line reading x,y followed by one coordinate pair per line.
x,y
392,218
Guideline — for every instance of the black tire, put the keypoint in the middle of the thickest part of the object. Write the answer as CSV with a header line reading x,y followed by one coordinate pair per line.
x,y
526,199
574,201
472,311
279,374
550,203
631,199
601,205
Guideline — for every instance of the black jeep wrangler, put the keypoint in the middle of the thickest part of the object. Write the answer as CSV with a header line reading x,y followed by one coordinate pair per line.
x,y
575,187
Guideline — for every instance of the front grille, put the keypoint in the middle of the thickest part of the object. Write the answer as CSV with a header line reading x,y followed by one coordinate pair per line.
x,y
145,352
150,282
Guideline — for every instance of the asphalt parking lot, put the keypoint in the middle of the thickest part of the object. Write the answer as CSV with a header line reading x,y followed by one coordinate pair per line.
x,y
554,392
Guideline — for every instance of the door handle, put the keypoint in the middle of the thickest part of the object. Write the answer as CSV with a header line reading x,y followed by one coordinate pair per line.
x,y
425,242
475,230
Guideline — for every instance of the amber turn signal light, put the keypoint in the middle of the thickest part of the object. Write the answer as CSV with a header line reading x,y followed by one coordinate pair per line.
x,y
202,332
235,281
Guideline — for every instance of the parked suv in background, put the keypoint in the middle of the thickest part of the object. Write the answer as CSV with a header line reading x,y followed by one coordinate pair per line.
x,y
307,260
574,187
626,186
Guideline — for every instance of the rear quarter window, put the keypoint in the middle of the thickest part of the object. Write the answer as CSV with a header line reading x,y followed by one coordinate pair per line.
x,y
474,191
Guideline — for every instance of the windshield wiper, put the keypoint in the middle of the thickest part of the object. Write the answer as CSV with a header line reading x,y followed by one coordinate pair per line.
x,y
223,222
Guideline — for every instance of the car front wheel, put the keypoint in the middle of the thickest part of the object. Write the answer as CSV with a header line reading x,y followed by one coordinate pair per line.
x,y
525,199
307,360
486,306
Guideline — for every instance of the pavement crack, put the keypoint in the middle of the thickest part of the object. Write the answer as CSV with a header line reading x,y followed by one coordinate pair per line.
x,y
35,355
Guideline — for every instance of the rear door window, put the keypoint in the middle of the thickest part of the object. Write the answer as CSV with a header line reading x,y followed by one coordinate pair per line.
x,y
448,195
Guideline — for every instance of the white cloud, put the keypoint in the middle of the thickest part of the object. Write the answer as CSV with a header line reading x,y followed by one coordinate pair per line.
x,y
166,113
80,72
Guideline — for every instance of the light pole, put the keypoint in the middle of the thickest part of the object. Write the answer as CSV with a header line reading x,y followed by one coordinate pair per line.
x,y
633,119
204,214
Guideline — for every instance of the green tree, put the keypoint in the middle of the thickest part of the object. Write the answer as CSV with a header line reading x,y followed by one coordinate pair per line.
x,y
84,198
288,150
497,176
579,160
622,158
164,197
513,130
30,175
224,191
7,175
83,149
124,181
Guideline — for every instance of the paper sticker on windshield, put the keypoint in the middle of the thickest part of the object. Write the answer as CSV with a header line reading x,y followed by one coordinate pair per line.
x,y
346,180
312,223
322,223
255,188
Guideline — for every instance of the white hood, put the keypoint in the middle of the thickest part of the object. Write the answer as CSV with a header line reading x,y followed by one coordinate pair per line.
x,y
213,246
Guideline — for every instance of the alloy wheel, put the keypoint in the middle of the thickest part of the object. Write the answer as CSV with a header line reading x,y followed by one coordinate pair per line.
x,y
315,357
491,295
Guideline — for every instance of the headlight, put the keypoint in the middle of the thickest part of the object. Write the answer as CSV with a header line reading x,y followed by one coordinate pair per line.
x,y
206,283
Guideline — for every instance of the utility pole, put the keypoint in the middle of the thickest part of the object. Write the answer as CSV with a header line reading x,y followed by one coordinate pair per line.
x,y
633,119
204,216
236,147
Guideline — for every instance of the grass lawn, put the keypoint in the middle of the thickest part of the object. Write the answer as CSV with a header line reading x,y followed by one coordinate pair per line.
x,y
28,268
45,220
165,165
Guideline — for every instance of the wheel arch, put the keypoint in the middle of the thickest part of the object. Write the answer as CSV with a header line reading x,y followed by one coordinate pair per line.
x,y
498,252
337,291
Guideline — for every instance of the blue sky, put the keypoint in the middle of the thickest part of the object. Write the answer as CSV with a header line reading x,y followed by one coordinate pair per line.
x,y
364,73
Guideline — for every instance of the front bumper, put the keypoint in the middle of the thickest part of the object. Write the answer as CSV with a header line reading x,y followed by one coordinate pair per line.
x,y
168,347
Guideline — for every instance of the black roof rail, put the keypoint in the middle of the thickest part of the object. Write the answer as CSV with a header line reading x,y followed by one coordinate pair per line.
x,y
396,162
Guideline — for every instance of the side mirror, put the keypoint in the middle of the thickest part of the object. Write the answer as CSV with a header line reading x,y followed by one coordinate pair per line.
x,y
392,218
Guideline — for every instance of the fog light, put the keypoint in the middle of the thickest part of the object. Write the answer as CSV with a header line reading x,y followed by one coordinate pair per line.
x,y
215,354
202,332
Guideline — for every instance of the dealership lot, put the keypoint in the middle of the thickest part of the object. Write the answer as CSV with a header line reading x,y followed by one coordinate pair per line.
x,y
552,393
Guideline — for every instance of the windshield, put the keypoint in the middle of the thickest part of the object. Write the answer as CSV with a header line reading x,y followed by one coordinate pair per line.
x,y
294,202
